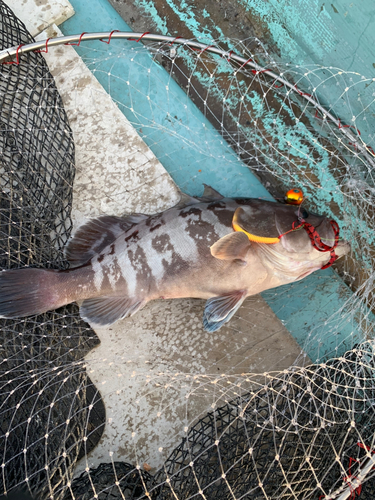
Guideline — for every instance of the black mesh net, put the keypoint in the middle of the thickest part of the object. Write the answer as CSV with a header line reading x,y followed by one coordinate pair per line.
x,y
111,481
295,437
44,391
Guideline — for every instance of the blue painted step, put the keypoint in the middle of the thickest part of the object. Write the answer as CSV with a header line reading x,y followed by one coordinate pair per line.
x,y
194,153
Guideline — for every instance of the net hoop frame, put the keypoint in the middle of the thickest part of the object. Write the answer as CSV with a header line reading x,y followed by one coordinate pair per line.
x,y
8,54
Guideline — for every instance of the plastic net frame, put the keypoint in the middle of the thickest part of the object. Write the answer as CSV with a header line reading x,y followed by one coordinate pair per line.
x,y
269,475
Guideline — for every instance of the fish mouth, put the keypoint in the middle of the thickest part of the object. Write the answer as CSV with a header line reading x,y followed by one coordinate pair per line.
x,y
326,233
343,248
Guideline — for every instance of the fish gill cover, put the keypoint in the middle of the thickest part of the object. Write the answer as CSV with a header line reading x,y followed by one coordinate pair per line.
x,y
302,432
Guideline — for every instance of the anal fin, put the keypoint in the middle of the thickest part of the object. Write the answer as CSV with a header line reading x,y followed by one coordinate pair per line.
x,y
107,310
221,309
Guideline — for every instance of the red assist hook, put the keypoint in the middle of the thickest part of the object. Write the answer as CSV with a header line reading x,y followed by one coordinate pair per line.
x,y
317,242
295,197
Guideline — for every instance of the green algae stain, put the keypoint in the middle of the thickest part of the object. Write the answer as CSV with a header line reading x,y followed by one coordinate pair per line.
x,y
149,7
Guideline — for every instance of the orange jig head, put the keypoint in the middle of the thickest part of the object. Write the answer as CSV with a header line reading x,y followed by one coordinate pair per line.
x,y
294,197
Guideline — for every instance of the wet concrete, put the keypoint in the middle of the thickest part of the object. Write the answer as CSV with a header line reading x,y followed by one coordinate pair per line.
x,y
39,14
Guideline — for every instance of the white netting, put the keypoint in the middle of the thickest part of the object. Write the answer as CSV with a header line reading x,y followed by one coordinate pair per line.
x,y
188,410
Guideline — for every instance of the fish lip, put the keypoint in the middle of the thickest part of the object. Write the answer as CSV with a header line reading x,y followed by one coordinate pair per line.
x,y
343,248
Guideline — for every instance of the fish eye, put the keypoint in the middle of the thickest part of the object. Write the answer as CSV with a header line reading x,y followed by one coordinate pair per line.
x,y
301,212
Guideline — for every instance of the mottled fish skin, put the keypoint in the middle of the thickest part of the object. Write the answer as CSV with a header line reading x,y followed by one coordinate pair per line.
x,y
168,255
186,251
165,255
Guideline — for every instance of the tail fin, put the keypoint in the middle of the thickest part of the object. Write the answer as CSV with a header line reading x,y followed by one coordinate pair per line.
x,y
25,292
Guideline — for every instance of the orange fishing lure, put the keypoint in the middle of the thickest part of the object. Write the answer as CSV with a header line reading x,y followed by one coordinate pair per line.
x,y
294,197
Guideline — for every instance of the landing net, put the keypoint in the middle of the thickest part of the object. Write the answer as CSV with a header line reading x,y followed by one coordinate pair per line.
x,y
160,408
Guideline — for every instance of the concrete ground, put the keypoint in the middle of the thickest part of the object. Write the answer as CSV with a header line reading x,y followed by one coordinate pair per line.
x,y
156,371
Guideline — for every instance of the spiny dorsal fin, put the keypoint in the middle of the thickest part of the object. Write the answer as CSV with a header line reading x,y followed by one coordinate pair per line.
x,y
107,310
231,247
186,201
210,194
219,310
91,238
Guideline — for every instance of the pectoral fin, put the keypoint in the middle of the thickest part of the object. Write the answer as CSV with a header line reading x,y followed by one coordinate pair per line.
x,y
220,309
231,247
107,310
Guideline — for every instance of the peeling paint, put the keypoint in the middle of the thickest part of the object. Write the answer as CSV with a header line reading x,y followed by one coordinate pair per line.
x,y
149,7
187,16
295,33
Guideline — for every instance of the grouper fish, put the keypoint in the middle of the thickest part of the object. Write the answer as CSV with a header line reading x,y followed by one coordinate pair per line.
x,y
118,264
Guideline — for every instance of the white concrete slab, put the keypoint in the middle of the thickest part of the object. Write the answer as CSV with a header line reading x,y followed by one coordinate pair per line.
x,y
116,172
37,15
154,370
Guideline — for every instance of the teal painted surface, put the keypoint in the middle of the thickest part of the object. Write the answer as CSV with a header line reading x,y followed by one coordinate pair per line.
x,y
315,311
185,142
320,31
339,34
185,150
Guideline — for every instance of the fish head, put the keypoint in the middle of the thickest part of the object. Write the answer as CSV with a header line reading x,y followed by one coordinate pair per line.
x,y
296,239
282,240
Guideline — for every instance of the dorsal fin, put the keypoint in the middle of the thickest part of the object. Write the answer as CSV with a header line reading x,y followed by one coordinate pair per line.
x,y
186,200
210,194
91,238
